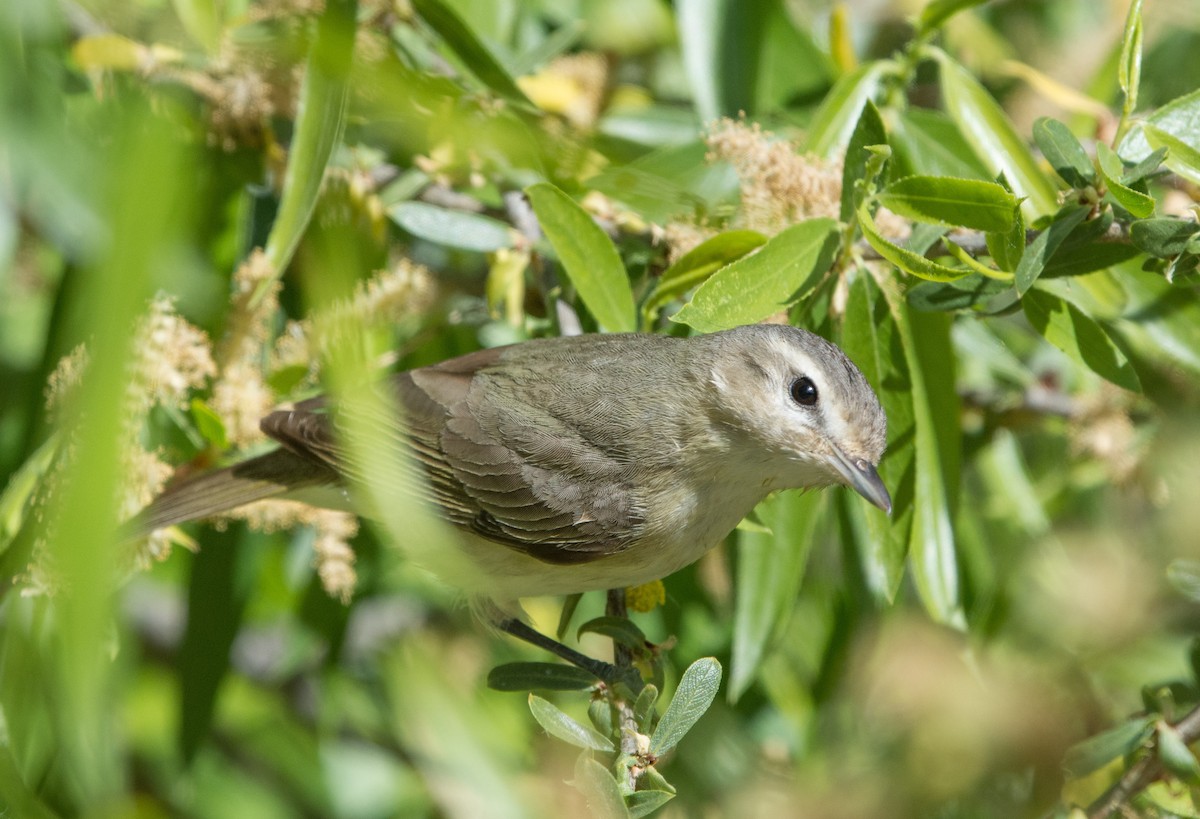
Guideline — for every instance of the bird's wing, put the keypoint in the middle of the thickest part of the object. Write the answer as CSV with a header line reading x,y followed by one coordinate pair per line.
x,y
540,488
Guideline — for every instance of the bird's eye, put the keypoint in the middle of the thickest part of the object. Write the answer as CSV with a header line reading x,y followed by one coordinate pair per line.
x,y
804,391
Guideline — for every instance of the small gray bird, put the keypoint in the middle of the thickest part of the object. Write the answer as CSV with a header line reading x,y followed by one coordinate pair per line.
x,y
589,462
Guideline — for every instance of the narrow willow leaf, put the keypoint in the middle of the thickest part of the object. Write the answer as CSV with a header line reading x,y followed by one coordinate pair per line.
x,y
963,294
836,118
720,41
696,691
784,270
539,677
319,123
868,131
1080,337
452,228
599,788
1148,165
1182,157
1040,251
619,629
871,339
695,266
560,725
992,136
469,48
1129,70
969,203
932,557
1180,118
1008,247
1064,153
588,257
905,259
643,708
1162,237
929,142
939,11
1111,169
770,568
1095,752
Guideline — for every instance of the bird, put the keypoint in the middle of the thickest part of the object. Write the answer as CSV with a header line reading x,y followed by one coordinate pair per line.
x,y
586,462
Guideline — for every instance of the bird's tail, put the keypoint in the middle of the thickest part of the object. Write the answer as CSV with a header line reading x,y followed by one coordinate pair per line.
x,y
269,475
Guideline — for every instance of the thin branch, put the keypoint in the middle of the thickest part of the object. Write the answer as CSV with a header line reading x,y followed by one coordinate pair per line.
x,y
1116,801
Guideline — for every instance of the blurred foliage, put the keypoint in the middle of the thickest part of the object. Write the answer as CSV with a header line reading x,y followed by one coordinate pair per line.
x,y
990,206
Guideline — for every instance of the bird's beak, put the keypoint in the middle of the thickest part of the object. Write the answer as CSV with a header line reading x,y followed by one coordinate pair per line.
x,y
863,479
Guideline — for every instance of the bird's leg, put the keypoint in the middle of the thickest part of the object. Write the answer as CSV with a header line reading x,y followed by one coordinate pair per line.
x,y
607,672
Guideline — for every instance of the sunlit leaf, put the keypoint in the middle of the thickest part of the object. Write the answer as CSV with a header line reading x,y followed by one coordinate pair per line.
x,y
903,258
588,257
1137,203
695,693
868,131
834,122
695,266
752,288
969,203
937,12
480,61
1183,157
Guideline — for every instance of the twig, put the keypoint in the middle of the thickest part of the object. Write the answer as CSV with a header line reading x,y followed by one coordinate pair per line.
x,y
1143,773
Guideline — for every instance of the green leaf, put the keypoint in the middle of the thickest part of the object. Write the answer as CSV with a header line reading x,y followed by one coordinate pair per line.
x,y
868,131
17,798
1064,153
1008,247
769,570
1095,752
720,40
969,203
1080,337
1176,756
835,120
870,338
1111,169
322,116
599,788
1129,69
695,266
1182,157
209,424
1146,166
452,228
1179,118
696,691
939,11
962,294
1076,258
539,676
469,48
643,803
929,142
643,708
1043,247
783,271
1163,238
588,257
1184,575
14,500
619,629
991,135
906,260
559,725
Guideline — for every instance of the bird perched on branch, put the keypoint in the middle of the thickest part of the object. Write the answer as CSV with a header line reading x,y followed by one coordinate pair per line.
x,y
585,462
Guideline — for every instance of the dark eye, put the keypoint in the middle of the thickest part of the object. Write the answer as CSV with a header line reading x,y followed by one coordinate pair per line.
x,y
804,391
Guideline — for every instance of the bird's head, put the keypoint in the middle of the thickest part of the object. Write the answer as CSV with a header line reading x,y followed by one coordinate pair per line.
x,y
811,414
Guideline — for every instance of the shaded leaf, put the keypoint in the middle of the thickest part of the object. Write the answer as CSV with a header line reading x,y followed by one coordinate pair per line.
x,y
868,131
599,788
1064,153
452,228
1129,69
209,424
961,294
619,629
929,142
19,488
1176,756
1080,337
970,203
752,288
721,40
1043,247
937,12
696,691
643,803
588,257
1095,752
1183,157
643,708
1007,247
539,676
769,570
1162,237
1184,575
1179,118
835,120
560,725
469,48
